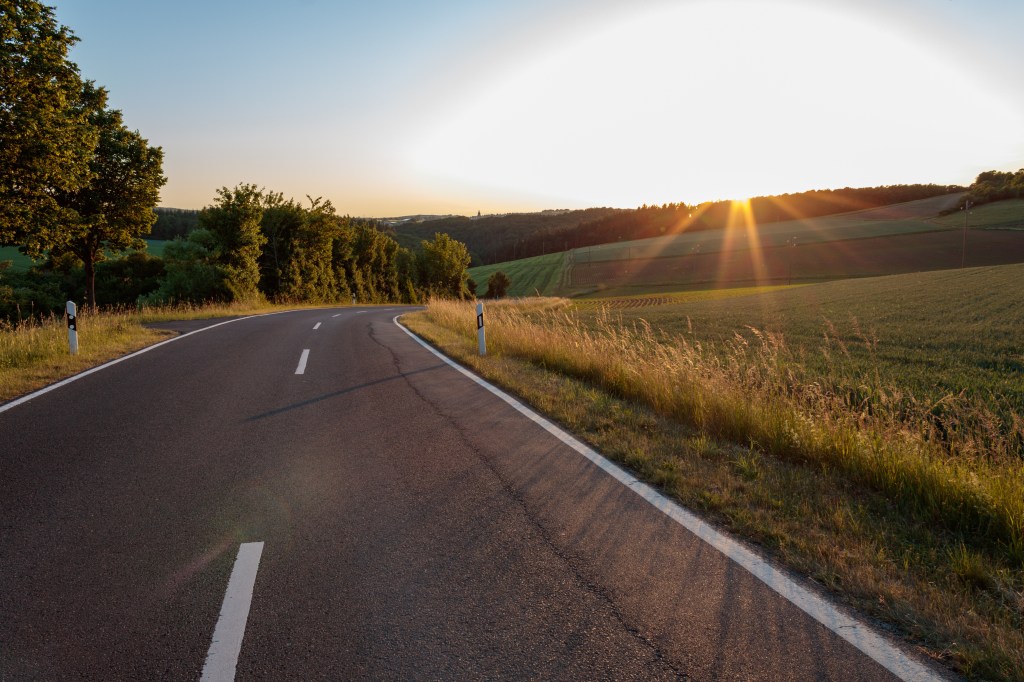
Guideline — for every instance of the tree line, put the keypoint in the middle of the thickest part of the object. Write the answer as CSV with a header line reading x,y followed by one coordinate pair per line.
x,y
674,218
77,188
173,222
252,244
500,239
995,186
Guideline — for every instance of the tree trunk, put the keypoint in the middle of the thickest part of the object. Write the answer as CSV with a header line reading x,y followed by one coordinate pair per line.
x,y
90,280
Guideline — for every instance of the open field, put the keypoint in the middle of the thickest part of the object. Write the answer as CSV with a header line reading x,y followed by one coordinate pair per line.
x,y
898,219
999,215
888,240
867,257
869,433
624,298
21,262
536,276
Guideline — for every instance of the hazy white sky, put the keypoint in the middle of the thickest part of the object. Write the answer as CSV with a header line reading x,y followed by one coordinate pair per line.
x,y
397,107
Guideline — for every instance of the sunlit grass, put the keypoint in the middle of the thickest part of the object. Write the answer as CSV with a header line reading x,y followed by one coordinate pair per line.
x,y
36,353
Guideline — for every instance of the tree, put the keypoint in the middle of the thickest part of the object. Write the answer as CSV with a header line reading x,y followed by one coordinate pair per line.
x,y
443,265
234,222
46,138
192,273
115,209
297,261
497,285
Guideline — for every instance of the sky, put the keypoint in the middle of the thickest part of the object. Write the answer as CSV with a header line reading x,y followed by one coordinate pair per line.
x,y
395,107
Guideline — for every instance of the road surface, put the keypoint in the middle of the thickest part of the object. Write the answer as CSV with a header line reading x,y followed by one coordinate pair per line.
x,y
413,526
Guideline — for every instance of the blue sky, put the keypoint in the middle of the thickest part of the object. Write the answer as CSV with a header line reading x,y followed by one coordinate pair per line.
x,y
397,107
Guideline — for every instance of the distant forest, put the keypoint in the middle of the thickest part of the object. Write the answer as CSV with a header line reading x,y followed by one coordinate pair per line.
x,y
497,239
494,239
504,238
174,222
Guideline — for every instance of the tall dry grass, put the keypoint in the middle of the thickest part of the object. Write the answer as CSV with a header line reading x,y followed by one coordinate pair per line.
x,y
954,462
35,352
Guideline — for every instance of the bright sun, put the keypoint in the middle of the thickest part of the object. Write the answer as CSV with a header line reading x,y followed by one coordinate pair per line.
x,y
721,99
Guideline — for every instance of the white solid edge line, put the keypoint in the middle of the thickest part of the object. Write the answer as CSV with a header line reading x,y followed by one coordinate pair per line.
x,y
316,326
222,658
857,633
91,370
301,369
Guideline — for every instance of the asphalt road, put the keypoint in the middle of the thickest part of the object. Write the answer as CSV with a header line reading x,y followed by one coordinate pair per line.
x,y
414,527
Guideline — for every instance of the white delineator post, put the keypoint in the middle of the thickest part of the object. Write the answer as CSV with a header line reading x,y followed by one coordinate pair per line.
x,y
72,327
481,339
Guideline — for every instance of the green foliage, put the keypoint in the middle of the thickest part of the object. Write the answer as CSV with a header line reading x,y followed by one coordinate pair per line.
x,y
234,221
46,139
30,294
124,281
192,273
443,265
995,186
297,262
174,222
497,285
115,209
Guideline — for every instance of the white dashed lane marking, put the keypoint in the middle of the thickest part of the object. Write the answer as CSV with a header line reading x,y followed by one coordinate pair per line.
x,y
301,369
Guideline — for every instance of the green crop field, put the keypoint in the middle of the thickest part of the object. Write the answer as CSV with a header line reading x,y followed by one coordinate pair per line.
x,y
893,239
999,215
539,275
932,334
154,247
909,218
19,261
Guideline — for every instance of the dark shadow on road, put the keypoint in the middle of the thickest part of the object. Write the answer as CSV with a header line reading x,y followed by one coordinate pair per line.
x,y
335,394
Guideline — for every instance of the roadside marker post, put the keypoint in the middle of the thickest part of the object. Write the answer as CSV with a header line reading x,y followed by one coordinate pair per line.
x,y
72,327
480,336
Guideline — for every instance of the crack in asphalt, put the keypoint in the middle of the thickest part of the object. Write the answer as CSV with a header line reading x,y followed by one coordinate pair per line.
x,y
599,592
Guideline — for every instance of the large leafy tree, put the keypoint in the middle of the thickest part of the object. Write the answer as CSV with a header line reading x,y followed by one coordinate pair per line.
x,y
234,221
46,138
115,209
297,260
443,267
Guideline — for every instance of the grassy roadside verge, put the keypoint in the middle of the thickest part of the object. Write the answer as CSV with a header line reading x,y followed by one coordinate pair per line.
x,y
34,354
958,602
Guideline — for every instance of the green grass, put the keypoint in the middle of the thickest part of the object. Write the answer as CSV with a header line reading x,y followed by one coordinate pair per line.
x,y
19,261
933,334
626,297
816,230
539,275
1001,214
548,275
155,247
